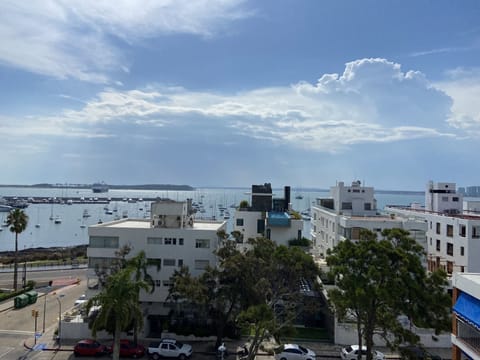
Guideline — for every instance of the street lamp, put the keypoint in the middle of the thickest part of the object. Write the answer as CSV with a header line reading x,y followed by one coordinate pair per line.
x,y
59,318
45,305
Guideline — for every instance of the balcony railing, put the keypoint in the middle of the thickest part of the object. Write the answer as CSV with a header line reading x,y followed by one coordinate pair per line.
x,y
468,334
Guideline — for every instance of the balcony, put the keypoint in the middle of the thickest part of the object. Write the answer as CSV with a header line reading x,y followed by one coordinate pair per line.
x,y
468,334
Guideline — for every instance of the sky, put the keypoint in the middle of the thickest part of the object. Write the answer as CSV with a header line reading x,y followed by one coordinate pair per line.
x,y
233,92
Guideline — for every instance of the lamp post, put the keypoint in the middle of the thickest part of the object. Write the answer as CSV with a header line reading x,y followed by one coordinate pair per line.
x,y
59,318
45,306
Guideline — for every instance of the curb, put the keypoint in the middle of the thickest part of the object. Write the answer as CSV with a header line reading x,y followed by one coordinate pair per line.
x,y
31,348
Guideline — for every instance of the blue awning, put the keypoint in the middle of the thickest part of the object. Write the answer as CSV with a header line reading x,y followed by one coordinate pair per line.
x,y
468,309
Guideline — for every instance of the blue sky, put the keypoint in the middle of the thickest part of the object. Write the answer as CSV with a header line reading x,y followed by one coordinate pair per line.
x,y
234,93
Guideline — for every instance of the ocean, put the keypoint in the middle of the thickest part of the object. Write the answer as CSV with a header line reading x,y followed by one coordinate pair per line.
x,y
73,229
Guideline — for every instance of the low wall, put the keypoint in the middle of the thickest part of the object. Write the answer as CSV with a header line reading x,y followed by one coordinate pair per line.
x,y
80,330
346,334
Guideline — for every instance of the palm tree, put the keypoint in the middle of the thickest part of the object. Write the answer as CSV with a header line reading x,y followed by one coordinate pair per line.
x,y
119,305
139,265
17,220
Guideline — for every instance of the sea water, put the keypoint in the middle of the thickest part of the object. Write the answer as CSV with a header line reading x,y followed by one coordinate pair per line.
x,y
73,229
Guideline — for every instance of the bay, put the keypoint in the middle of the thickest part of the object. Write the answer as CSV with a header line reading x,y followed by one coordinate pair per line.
x,y
73,229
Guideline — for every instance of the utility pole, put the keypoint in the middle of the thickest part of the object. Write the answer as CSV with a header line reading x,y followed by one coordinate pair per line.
x,y
35,316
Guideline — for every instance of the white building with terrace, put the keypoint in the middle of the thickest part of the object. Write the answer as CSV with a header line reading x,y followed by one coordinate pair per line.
x,y
347,211
170,238
453,228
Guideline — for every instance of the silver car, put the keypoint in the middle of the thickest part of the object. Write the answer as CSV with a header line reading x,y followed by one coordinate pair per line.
x,y
294,352
351,353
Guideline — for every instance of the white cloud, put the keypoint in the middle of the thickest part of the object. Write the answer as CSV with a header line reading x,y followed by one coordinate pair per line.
x,y
373,101
463,86
70,38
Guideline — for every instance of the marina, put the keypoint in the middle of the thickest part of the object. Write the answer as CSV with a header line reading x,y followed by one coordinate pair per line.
x,y
63,218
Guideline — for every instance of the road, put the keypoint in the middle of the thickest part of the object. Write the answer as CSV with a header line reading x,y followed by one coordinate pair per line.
x,y
18,325
41,277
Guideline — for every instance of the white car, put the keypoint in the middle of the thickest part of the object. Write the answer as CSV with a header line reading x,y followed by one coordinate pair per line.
x,y
294,352
351,353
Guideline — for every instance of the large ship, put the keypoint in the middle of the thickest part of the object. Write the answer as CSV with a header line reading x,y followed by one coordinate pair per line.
x,y
100,187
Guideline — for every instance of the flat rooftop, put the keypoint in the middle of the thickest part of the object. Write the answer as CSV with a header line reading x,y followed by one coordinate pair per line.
x,y
145,224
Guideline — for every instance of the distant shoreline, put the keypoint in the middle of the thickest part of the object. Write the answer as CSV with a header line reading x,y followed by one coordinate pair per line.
x,y
116,187
188,188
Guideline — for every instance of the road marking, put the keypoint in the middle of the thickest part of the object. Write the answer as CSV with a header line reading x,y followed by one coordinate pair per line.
x,y
4,353
18,332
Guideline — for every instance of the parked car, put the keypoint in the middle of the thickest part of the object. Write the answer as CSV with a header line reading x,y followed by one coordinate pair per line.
x,y
82,299
417,353
351,353
89,347
169,348
129,349
294,352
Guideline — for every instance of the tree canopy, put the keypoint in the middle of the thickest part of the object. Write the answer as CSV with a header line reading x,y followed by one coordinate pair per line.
x,y
379,282
264,279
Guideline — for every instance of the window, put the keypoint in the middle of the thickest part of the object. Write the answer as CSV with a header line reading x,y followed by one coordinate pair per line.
x,y
449,267
450,230
180,262
154,241
430,241
158,282
346,206
438,245
462,230
355,234
168,262
202,243
367,206
103,241
167,283
201,264
430,224
449,249
444,198
462,251
180,241
170,241
438,228
239,222
455,199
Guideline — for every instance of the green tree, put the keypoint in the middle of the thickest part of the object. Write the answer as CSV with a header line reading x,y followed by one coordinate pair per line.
x,y
275,273
119,306
380,281
218,290
17,220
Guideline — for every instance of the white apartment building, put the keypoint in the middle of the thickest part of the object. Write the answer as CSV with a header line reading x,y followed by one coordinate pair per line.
x,y
466,316
453,228
170,239
267,216
350,209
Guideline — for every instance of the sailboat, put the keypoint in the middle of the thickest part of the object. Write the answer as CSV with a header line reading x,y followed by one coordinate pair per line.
x,y
37,225
51,213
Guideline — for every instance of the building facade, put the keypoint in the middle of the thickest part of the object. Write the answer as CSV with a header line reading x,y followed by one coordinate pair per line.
x,y
268,217
466,316
347,211
171,238
453,228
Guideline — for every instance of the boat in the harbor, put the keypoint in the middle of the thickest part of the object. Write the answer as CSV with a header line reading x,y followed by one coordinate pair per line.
x,y
5,208
58,220
99,187
85,213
